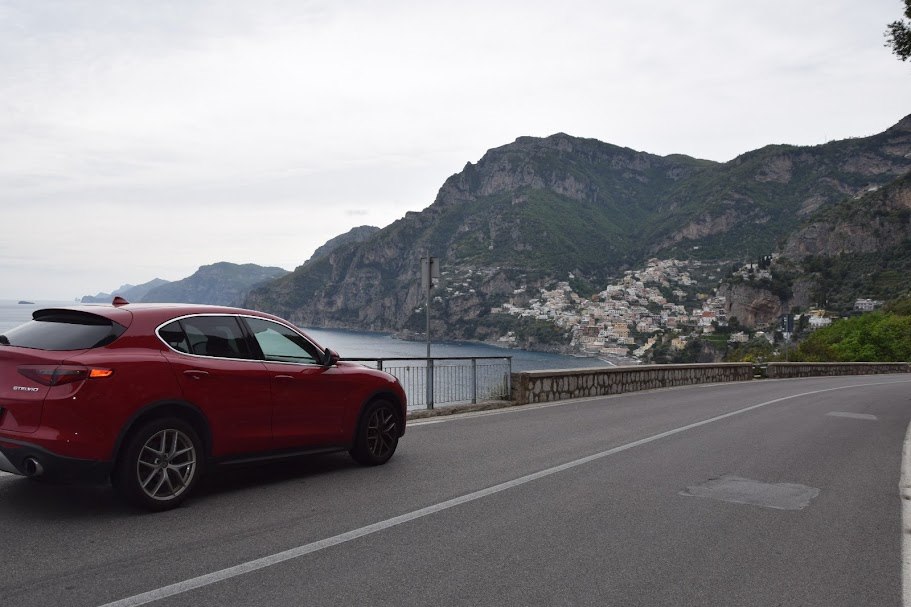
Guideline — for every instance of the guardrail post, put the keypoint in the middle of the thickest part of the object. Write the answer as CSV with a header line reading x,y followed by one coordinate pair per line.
x,y
379,364
429,383
474,381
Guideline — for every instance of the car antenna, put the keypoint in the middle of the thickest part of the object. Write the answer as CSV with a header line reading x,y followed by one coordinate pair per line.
x,y
119,301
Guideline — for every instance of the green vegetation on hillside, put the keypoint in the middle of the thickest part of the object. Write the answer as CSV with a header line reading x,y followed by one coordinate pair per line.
x,y
757,350
840,280
871,337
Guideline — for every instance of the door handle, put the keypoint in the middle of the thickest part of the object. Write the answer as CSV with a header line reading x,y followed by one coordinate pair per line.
x,y
195,373
284,377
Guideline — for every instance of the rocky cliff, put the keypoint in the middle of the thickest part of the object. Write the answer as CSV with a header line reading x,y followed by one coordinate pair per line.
x,y
753,306
879,219
858,248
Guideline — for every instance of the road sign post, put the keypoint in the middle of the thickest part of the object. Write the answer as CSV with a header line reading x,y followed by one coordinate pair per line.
x,y
430,271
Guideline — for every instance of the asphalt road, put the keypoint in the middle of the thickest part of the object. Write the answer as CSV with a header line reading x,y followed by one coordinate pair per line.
x,y
764,493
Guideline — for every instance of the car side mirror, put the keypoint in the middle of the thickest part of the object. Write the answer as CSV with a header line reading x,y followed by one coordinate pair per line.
x,y
330,357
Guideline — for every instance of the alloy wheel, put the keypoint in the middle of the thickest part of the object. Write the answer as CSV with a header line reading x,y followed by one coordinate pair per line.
x,y
382,432
166,464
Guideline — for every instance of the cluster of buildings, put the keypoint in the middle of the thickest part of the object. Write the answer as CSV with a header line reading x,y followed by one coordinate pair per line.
x,y
630,316
623,319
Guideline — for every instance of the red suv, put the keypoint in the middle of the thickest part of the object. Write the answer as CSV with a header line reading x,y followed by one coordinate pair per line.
x,y
149,395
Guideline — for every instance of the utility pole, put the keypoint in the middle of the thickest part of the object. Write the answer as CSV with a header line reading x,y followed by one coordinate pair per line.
x,y
430,271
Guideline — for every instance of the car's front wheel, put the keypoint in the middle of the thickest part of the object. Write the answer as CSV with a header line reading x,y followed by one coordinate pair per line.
x,y
160,464
377,434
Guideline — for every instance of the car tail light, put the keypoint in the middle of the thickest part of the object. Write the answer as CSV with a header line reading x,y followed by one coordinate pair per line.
x,y
56,376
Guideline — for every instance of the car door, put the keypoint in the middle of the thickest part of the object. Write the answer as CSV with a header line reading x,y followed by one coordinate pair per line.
x,y
218,372
308,398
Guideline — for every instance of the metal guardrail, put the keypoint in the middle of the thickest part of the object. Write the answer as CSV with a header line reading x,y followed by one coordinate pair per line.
x,y
448,380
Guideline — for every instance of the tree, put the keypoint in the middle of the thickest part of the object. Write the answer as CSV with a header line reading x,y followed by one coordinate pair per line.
x,y
898,35
900,307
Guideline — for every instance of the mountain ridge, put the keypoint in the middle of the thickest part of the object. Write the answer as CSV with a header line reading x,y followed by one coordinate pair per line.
x,y
221,283
128,292
540,209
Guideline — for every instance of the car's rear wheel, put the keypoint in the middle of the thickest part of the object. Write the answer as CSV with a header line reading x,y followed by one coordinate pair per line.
x,y
160,465
377,434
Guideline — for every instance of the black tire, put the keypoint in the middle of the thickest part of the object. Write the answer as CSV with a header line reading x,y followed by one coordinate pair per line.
x,y
160,464
377,435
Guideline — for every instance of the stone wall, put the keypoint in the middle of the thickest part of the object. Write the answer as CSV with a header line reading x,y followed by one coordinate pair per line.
x,y
782,370
544,386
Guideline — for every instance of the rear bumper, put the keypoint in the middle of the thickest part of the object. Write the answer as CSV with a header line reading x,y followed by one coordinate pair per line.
x,y
14,454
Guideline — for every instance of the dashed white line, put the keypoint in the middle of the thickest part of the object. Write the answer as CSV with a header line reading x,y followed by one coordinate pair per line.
x,y
904,490
293,553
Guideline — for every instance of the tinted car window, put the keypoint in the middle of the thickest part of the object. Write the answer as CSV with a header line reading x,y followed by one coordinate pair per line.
x,y
173,335
64,330
219,336
281,344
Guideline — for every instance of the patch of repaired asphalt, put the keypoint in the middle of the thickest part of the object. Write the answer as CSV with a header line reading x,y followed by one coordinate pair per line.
x,y
866,416
780,496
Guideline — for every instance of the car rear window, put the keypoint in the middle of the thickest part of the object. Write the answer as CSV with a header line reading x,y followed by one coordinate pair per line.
x,y
64,330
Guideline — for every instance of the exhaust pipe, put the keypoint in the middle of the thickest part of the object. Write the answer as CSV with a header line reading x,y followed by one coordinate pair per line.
x,y
33,467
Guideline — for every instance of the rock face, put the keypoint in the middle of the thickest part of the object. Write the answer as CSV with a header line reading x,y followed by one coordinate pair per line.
x,y
879,219
752,306
537,210
221,283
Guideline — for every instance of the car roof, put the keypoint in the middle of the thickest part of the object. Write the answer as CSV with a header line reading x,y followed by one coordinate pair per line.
x,y
156,312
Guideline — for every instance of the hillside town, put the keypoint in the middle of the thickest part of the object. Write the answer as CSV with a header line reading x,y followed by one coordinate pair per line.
x,y
627,318
622,319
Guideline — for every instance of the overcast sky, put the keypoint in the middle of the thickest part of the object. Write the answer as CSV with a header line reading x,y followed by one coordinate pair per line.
x,y
142,139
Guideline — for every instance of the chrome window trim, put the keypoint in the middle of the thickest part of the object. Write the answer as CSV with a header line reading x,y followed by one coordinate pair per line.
x,y
223,314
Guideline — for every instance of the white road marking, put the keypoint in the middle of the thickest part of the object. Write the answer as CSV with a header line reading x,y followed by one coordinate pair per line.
x,y
293,553
853,415
904,490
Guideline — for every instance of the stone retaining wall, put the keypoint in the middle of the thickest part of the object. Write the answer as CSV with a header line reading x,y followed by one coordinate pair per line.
x,y
782,370
544,386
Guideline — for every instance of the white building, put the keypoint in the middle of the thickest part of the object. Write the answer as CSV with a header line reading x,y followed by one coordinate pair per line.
x,y
866,305
818,322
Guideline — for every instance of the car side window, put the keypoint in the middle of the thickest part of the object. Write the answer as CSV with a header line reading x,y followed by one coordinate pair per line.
x,y
218,336
174,336
281,344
